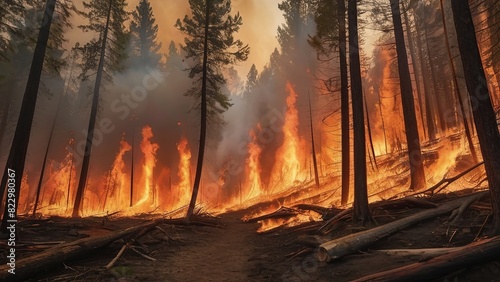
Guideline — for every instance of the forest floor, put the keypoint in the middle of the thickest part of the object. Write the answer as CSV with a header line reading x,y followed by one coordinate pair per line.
x,y
234,251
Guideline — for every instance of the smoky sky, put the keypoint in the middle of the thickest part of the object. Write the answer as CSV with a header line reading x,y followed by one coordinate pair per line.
x,y
261,19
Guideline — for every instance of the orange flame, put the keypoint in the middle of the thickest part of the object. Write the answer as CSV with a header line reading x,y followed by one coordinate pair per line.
x,y
184,186
288,167
253,183
148,197
118,181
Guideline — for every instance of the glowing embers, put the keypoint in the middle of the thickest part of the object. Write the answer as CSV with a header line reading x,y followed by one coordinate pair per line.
x,y
290,163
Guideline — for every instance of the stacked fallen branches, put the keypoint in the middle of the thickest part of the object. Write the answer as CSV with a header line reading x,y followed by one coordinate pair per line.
x,y
354,242
473,254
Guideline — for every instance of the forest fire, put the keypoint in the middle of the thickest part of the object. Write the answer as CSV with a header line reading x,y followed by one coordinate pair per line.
x,y
289,167
247,154
117,188
57,191
184,187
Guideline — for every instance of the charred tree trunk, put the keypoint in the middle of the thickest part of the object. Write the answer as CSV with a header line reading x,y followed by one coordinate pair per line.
x,y
412,139
14,166
203,125
315,164
361,211
415,69
5,118
437,98
484,115
368,127
93,115
344,102
457,87
44,163
132,170
431,126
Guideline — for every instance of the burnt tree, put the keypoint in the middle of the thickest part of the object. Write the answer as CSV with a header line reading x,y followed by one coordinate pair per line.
x,y
361,210
412,139
484,115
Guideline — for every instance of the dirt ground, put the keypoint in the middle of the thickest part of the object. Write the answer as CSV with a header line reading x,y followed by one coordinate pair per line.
x,y
236,252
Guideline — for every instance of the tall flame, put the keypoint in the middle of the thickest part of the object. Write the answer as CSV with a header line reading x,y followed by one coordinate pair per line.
x,y
57,193
118,181
184,174
288,167
253,183
147,194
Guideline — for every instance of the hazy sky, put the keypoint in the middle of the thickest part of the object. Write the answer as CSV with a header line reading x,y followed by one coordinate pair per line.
x,y
261,19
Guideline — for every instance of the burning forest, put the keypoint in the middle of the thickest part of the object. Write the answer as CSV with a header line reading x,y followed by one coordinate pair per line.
x,y
249,140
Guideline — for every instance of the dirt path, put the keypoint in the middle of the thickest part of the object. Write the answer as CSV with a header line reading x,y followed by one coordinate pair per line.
x,y
221,254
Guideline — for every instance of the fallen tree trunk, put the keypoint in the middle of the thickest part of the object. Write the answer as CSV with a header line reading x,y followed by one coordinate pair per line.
x,y
282,212
55,256
352,243
435,268
423,253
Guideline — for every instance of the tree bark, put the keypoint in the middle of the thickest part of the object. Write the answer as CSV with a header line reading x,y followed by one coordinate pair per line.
x,y
414,67
484,115
473,254
19,147
203,126
93,115
344,102
457,87
361,211
417,174
429,116
357,241
315,164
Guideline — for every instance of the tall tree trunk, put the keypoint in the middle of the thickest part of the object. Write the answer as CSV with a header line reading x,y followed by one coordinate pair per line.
x,y
431,126
344,102
316,177
368,127
17,155
44,163
437,96
5,118
361,210
412,139
414,66
132,169
203,125
484,115
93,115
457,87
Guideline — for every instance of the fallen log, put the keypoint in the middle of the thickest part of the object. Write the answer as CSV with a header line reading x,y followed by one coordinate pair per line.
x,y
423,253
447,181
473,254
55,256
282,212
354,242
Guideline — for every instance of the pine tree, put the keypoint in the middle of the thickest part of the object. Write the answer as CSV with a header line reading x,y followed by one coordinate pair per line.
x,y
251,78
484,115
106,17
412,138
211,46
15,162
361,211
144,33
